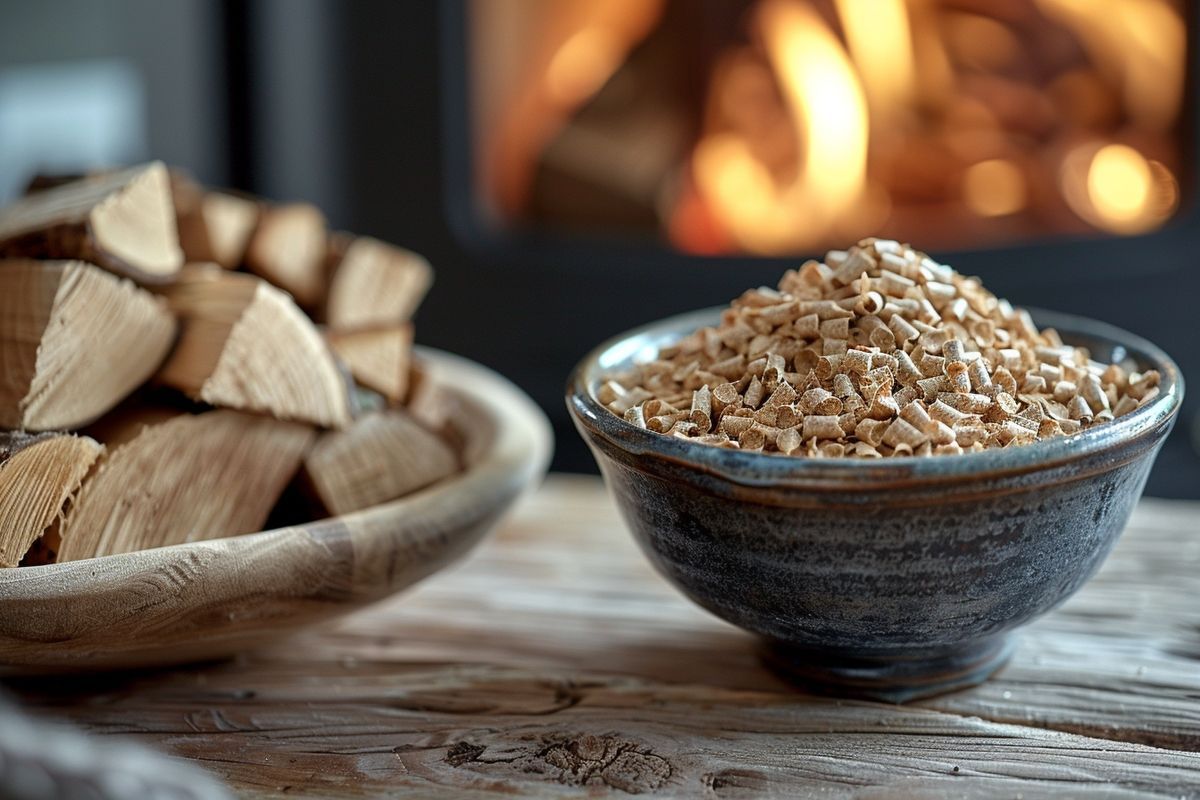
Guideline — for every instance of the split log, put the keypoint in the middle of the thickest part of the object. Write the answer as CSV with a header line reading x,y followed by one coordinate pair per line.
x,y
38,474
49,180
383,456
230,221
123,221
336,246
375,284
379,358
429,401
288,248
74,341
244,344
193,233
193,236
213,226
190,477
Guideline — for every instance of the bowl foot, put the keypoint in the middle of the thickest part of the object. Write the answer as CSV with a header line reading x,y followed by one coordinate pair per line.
x,y
892,677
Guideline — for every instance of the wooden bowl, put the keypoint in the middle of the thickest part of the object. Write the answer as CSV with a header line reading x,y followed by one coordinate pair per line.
x,y
212,598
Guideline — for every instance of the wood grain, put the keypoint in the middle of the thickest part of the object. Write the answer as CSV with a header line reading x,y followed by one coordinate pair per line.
x,y
74,341
288,248
122,220
39,474
185,478
383,454
375,284
245,344
212,598
378,358
556,664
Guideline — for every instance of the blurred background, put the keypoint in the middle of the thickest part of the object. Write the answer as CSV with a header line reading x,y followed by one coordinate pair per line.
x,y
573,168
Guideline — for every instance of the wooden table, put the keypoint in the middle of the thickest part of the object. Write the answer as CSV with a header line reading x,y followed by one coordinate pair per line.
x,y
554,662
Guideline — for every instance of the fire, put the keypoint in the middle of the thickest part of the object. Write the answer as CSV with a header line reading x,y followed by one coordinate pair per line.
x,y
1118,184
824,94
953,122
1143,41
994,188
828,110
868,118
582,64
880,41
1116,188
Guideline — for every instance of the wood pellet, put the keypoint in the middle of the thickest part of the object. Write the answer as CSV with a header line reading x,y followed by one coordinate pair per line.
x,y
877,351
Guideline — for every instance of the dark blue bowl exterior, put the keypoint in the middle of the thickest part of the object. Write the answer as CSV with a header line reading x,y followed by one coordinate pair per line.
x,y
876,570
877,559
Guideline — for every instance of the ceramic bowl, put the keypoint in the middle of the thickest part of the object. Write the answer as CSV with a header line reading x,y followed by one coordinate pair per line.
x,y
213,598
893,578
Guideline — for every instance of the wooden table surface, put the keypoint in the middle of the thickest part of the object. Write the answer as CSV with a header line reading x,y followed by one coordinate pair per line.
x,y
554,663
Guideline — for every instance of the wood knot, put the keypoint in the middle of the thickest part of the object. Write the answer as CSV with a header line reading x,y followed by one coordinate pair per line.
x,y
736,782
613,761
463,752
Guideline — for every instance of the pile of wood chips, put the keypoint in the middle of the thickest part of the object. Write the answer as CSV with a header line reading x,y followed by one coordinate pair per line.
x,y
162,379
876,351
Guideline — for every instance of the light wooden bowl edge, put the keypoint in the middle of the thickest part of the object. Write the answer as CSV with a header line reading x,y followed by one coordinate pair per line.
x,y
212,598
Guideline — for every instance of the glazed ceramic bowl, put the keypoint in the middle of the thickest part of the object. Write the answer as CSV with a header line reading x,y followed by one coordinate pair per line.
x,y
893,578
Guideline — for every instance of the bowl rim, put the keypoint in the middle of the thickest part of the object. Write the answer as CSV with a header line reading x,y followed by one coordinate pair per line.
x,y
768,469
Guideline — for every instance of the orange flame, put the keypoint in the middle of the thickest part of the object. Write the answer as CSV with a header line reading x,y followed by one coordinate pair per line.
x,y
1143,42
880,41
828,107
1116,188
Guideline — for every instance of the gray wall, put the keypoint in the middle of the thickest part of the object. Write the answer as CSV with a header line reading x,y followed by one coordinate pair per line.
x,y
173,46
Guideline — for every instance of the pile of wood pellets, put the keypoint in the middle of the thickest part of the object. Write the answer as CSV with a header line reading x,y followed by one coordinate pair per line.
x,y
876,351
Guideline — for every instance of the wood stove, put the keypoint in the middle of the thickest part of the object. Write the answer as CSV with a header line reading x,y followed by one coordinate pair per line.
x,y
778,127
578,167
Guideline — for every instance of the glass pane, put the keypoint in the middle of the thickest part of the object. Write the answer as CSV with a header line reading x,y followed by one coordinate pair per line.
x,y
785,126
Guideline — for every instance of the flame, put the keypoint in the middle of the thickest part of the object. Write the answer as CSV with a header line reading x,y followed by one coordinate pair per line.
x,y
1144,42
829,111
881,43
994,188
827,100
536,64
1116,188
582,65
1118,184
